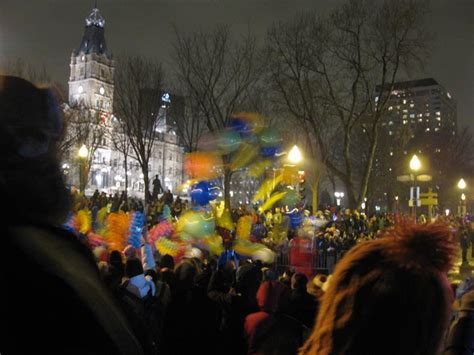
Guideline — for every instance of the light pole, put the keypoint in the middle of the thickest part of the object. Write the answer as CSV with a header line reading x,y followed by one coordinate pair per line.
x,y
415,165
83,154
462,203
295,157
339,196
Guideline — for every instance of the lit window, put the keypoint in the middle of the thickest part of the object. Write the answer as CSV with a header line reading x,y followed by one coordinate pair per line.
x,y
427,114
438,150
438,113
390,123
389,169
404,101
420,120
376,99
390,108
391,153
448,95
412,115
438,118
405,116
412,105
405,121
405,111
390,133
427,130
436,129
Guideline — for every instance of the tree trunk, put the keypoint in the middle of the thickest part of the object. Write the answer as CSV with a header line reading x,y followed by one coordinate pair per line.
x,y
126,175
315,194
146,181
368,168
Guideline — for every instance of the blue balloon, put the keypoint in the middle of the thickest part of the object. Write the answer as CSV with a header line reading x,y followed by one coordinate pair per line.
x,y
240,125
202,193
295,219
269,152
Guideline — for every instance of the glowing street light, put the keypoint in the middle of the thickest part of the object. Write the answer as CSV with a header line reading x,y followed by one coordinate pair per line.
x,y
415,163
294,155
462,184
83,151
339,196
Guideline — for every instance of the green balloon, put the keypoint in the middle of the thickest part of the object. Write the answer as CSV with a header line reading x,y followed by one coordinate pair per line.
x,y
229,141
269,137
291,198
199,225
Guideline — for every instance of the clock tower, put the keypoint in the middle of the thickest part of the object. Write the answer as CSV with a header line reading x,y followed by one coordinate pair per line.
x,y
91,81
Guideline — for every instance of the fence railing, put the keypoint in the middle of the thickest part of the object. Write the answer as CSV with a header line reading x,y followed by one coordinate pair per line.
x,y
317,260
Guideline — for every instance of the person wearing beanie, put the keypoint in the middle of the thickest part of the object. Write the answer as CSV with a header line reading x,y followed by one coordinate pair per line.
x,y
389,296
63,295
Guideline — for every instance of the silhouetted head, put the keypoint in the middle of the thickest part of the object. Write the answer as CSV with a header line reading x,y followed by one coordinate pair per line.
x,y
30,176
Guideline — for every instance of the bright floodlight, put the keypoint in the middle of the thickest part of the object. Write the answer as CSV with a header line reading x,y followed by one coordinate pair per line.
x,y
462,184
83,151
415,163
294,155
463,197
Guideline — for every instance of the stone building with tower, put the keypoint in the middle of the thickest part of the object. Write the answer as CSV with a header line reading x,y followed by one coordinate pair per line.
x,y
91,88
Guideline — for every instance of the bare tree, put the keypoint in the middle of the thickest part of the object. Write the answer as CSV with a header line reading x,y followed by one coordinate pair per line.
x,y
327,71
190,125
84,127
121,142
137,100
217,72
37,74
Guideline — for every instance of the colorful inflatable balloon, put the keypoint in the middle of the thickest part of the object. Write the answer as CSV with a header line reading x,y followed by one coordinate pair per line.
x,y
202,193
229,141
195,224
202,165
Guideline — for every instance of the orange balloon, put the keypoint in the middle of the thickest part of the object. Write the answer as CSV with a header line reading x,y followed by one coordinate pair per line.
x,y
202,166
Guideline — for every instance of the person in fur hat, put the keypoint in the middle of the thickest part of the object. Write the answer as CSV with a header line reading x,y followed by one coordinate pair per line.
x,y
388,296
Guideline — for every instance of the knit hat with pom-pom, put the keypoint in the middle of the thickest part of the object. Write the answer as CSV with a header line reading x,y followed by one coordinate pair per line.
x,y
382,291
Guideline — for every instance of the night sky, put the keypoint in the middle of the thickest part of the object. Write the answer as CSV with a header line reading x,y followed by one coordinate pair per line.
x,y
46,31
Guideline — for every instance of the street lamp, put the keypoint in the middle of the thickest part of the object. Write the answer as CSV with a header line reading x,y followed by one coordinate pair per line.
x,y
339,196
83,154
415,165
294,156
462,204
462,184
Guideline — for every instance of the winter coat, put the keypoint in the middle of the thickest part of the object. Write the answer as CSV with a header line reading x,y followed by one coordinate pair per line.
x,y
59,303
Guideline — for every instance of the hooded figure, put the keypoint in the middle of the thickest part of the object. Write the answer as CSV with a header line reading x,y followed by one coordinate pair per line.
x,y
388,296
271,330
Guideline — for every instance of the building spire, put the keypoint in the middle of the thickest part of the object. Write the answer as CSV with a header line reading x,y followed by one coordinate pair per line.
x,y
95,18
